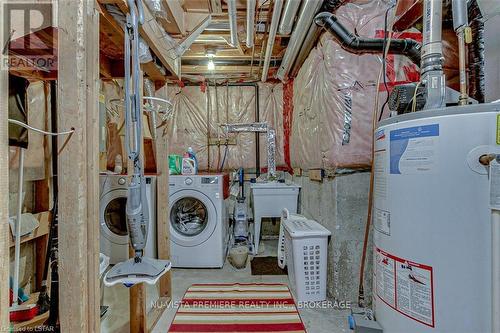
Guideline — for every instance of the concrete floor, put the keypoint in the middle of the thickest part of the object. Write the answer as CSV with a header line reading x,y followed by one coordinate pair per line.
x,y
116,321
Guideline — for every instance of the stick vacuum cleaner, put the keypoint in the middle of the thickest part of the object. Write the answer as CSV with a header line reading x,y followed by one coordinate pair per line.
x,y
138,269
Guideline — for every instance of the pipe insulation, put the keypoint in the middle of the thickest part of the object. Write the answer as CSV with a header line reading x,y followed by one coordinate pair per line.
x,y
432,75
358,45
278,4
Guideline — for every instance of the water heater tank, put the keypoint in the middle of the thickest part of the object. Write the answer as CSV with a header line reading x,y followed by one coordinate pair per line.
x,y
431,218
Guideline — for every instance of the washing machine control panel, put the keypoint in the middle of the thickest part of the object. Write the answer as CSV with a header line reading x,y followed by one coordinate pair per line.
x,y
188,181
210,180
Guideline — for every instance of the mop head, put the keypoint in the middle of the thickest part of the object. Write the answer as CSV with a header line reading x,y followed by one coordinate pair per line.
x,y
130,272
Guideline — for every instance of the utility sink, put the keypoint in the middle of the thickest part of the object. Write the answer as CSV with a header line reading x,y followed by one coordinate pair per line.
x,y
269,199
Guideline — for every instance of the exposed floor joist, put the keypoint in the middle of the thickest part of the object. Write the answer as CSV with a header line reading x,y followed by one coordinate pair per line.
x,y
153,34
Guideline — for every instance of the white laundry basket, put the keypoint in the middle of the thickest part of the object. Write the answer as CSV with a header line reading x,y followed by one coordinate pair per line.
x,y
306,248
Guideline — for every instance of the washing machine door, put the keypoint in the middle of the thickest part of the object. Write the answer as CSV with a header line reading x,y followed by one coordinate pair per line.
x,y
113,217
193,218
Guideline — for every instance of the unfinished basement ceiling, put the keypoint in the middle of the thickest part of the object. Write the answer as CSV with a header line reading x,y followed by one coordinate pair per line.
x,y
240,60
180,18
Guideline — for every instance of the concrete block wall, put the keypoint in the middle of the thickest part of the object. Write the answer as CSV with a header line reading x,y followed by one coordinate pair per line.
x,y
340,204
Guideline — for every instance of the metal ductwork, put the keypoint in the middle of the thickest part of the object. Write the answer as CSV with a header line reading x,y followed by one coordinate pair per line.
x,y
288,16
224,62
432,75
306,14
359,45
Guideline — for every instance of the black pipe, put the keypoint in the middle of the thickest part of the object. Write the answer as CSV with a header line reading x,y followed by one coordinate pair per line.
x,y
356,44
257,134
331,5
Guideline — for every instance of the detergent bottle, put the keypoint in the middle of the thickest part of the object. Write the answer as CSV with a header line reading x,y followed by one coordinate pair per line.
x,y
189,163
192,155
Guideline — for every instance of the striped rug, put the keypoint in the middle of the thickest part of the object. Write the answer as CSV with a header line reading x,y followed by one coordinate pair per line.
x,y
237,308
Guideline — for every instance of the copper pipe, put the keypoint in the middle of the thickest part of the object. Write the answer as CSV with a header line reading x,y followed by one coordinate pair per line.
x,y
463,99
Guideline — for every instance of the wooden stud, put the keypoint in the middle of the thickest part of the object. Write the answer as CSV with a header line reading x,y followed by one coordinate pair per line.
x,y
93,204
138,315
316,174
4,184
297,172
153,34
162,210
77,103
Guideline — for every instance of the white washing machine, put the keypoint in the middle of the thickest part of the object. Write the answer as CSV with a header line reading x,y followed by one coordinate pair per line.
x,y
114,238
198,221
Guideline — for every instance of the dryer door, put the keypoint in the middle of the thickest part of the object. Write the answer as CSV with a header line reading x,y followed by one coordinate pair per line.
x,y
113,218
193,218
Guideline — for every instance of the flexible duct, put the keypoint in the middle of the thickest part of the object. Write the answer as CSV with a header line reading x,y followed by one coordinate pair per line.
x,y
356,44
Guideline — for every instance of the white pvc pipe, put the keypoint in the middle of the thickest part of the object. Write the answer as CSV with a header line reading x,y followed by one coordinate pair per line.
x,y
278,4
231,11
495,271
17,249
250,22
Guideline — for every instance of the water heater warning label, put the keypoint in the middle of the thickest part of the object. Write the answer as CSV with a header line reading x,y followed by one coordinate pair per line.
x,y
413,149
405,286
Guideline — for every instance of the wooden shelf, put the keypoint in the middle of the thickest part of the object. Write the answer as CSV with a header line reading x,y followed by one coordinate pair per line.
x,y
42,230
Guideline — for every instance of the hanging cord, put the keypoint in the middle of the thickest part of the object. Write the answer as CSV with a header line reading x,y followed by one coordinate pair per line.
x,y
34,129
361,292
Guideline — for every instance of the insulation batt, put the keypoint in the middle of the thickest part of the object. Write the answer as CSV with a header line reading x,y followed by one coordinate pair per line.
x,y
188,125
234,104
334,96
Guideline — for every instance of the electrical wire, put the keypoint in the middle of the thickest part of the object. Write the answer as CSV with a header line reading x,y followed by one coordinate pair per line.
x,y
361,293
414,103
34,129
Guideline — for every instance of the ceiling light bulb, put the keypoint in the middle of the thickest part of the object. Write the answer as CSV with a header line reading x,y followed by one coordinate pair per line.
x,y
210,53
211,65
